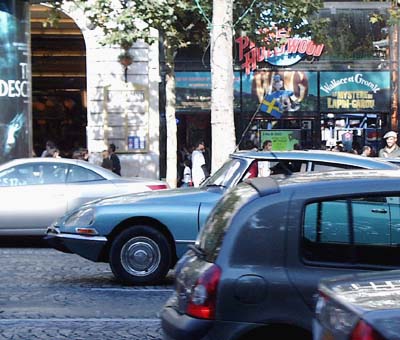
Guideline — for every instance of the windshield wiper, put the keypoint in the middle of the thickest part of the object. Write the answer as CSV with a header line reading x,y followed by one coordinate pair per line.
x,y
198,251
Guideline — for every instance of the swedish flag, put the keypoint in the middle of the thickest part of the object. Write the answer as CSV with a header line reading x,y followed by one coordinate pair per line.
x,y
271,105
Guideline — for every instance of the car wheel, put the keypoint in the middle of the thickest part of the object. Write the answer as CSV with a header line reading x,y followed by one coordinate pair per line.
x,y
140,255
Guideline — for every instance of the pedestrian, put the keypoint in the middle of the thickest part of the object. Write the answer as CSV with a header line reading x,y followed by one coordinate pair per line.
x,y
49,150
199,167
107,162
366,151
187,174
391,149
56,153
264,169
116,164
267,145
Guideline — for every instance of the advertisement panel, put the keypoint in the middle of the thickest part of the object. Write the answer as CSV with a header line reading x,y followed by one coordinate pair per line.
x,y
282,140
355,91
14,80
298,90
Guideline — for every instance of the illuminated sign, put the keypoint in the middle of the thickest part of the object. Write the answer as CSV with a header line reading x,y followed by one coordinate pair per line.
x,y
289,53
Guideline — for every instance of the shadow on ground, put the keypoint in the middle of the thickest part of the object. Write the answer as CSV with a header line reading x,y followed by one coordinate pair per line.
x,y
23,242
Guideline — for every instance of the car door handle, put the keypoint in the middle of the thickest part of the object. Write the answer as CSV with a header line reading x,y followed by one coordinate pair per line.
x,y
379,211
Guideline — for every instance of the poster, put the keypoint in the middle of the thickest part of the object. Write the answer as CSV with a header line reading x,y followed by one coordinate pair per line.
x,y
14,80
282,140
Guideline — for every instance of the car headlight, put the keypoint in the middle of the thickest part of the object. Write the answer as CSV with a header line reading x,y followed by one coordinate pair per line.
x,y
82,217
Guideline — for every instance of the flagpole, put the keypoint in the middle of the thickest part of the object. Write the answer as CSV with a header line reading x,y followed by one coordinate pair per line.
x,y
248,126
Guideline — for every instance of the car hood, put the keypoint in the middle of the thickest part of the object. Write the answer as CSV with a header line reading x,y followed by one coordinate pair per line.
x,y
160,196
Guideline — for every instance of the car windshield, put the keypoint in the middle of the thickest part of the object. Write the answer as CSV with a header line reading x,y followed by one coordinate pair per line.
x,y
228,175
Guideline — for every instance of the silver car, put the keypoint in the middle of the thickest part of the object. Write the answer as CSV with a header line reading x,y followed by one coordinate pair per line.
x,y
36,191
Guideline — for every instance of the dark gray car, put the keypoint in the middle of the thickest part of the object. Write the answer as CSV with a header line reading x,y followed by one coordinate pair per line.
x,y
256,264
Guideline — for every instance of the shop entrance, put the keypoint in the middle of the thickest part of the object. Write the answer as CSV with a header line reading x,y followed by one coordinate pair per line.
x,y
353,130
58,83
192,128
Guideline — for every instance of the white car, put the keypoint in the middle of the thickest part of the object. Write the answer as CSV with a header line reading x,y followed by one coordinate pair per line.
x,y
36,191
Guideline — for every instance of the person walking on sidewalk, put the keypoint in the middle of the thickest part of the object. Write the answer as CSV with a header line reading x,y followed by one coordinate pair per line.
x,y
116,164
199,167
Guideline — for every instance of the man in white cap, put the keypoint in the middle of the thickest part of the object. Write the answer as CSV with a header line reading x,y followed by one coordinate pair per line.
x,y
391,149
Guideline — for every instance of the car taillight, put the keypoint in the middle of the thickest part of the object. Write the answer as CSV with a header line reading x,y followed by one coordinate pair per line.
x,y
363,331
203,296
157,186
334,317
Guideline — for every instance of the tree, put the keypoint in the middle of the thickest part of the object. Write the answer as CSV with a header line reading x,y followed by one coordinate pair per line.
x,y
180,23
222,119
125,22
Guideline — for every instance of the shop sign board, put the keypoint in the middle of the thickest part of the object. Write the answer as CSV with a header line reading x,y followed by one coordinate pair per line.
x,y
282,140
355,91
193,91
15,93
291,51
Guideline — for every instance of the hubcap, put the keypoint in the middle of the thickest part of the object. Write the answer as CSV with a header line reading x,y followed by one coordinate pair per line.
x,y
140,256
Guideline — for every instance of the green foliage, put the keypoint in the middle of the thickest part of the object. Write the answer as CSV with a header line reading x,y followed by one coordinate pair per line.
x,y
186,22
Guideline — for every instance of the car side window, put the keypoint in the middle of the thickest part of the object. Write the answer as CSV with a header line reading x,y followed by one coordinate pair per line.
x,y
353,229
16,176
325,166
33,174
79,174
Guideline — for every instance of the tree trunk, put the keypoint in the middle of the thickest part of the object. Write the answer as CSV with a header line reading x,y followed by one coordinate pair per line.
x,y
222,119
171,175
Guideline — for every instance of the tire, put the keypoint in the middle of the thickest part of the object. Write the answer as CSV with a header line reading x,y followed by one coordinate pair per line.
x,y
140,255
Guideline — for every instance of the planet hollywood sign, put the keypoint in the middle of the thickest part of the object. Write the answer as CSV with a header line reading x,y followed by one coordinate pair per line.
x,y
289,53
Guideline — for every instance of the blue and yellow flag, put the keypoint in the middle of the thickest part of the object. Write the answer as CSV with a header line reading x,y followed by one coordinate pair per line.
x,y
271,105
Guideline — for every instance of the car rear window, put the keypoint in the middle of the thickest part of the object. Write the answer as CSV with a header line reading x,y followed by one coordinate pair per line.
x,y
218,222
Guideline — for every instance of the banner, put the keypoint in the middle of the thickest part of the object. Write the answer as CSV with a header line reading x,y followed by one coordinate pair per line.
x,y
14,80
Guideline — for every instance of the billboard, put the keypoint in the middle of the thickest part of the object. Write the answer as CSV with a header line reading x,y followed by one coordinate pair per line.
x,y
14,80
355,91
282,140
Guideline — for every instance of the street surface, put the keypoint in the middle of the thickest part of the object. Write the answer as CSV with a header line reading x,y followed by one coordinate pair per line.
x,y
46,294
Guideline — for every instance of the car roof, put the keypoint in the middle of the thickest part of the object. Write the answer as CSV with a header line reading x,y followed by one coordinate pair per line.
x,y
319,155
268,185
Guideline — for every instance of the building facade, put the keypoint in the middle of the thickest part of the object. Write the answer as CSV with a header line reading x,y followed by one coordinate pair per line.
x,y
340,91
80,95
